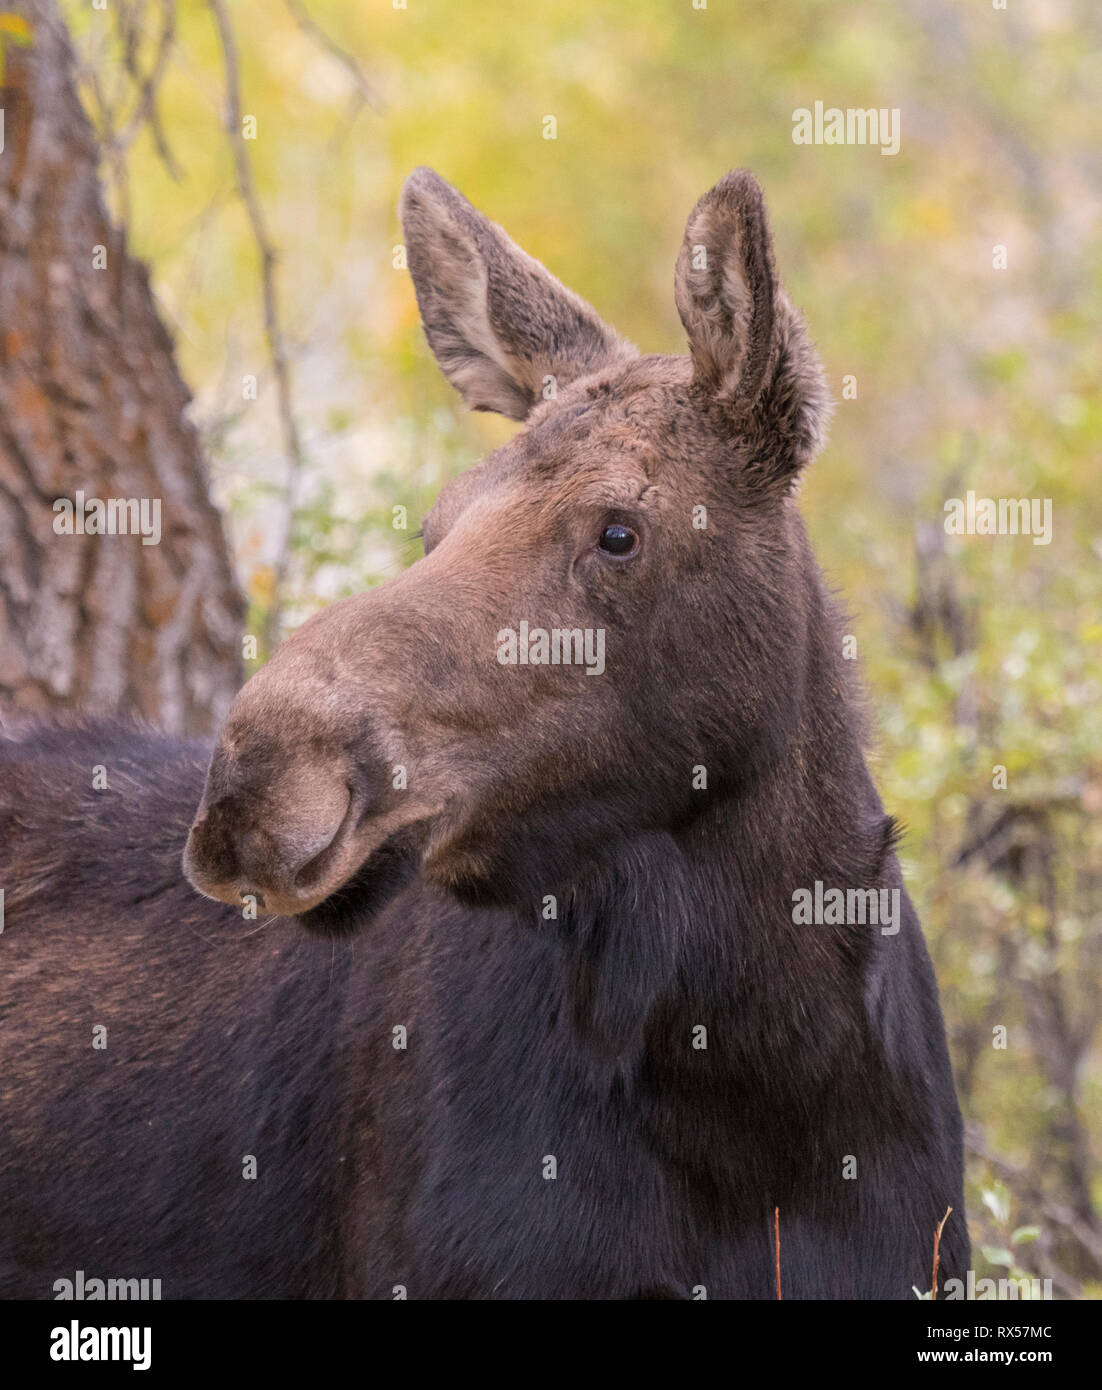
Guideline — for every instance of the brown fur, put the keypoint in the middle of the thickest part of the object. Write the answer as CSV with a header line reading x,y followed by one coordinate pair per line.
x,y
386,781
628,438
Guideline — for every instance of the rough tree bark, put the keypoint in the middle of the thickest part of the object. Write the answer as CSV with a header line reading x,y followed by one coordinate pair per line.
x,y
91,399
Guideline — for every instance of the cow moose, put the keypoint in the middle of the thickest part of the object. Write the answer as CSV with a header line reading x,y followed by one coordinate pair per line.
x,y
529,1008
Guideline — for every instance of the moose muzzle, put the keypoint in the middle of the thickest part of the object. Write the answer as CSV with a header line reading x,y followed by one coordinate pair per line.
x,y
297,794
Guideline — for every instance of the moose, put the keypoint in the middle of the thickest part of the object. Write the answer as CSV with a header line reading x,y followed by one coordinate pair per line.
x,y
522,1008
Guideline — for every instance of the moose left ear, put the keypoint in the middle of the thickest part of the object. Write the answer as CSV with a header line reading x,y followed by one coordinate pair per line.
x,y
750,349
500,325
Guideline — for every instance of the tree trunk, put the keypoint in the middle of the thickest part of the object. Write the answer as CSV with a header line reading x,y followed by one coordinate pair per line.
x,y
91,402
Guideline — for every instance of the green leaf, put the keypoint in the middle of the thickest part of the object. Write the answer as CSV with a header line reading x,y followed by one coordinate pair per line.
x,y
996,1255
997,1202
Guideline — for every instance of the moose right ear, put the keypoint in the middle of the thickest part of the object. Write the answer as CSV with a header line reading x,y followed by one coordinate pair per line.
x,y
750,350
499,324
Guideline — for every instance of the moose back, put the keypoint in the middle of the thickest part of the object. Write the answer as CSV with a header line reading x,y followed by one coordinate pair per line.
x,y
504,982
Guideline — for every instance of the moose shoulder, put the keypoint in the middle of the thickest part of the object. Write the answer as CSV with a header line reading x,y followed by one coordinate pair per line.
x,y
544,1012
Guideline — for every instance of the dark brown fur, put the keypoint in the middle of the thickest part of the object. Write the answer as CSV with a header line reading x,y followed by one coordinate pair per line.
x,y
415,805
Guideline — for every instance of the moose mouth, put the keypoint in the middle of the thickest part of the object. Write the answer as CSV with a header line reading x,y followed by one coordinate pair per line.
x,y
330,864
379,879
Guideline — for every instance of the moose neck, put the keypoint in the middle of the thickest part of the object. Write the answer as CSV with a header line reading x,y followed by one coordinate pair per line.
x,y
810,810
812,813
711,903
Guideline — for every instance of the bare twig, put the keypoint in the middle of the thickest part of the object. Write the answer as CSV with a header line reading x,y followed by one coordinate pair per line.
x,y
145,111
309,26
273,330
117,134
937,1251
1026,1188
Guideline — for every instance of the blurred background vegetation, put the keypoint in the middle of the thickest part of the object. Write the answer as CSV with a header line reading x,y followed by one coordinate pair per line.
x,y
979,652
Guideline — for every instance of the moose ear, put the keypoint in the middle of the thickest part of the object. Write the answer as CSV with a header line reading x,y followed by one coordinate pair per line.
x,y
498,323
750,349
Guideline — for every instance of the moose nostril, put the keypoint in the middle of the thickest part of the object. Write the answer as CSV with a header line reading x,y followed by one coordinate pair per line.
x,y
304,850
275,837
311,868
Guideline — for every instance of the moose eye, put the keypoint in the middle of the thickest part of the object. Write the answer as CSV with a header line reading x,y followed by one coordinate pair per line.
x,y
619,540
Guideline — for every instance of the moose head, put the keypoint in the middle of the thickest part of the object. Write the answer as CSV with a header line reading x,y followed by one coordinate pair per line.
x,y
610,624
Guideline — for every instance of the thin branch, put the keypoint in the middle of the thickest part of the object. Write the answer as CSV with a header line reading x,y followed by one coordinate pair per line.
x,y
937,1251
145,112
309,26
273,330
337,139
104,115
1023,1184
